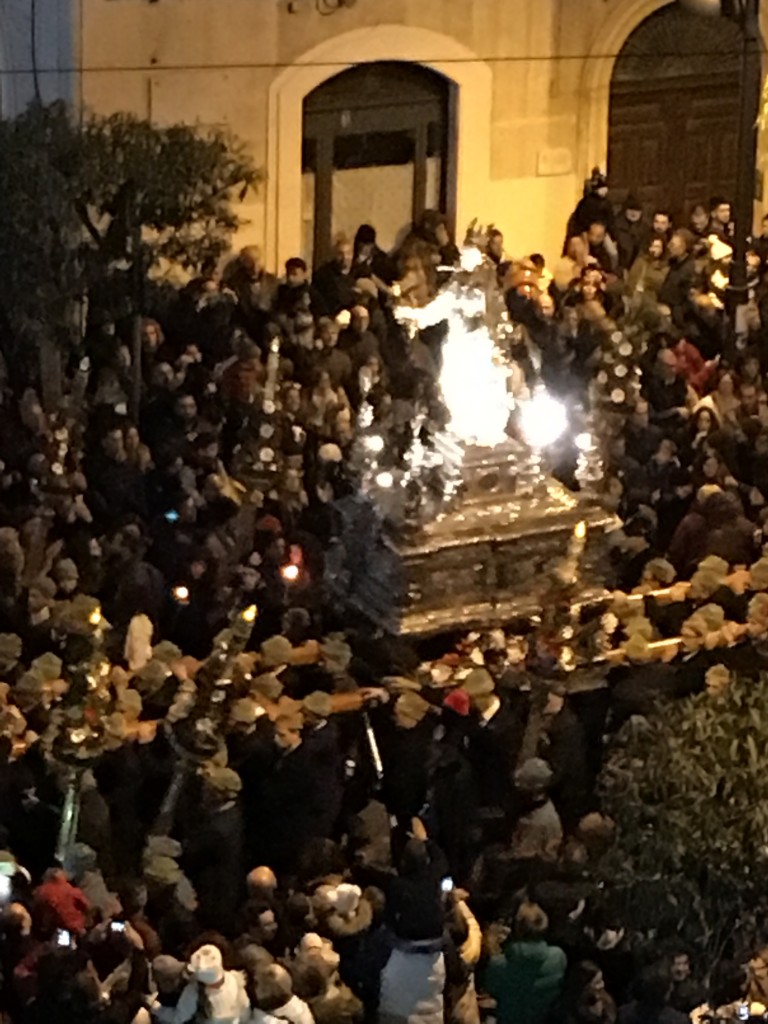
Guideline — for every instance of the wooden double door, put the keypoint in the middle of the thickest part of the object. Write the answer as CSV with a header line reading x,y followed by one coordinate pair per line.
x,y
674,143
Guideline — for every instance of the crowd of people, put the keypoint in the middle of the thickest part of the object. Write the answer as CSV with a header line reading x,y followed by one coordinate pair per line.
x,y
410,862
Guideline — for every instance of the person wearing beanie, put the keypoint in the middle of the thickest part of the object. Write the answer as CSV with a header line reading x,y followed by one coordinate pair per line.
x,y
213,846
458,701
168,976
213,995
594,207
539,832
370,261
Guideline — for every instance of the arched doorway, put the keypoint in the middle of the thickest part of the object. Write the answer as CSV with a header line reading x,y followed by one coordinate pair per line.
x,y
674,109
378,146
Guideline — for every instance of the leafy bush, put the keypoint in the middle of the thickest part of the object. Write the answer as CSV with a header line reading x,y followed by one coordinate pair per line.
x,y
688,790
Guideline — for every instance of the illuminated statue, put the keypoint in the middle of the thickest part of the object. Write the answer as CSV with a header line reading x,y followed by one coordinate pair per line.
x,y
470,523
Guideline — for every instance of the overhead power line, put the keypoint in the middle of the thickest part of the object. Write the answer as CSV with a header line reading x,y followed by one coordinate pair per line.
x,y
282,65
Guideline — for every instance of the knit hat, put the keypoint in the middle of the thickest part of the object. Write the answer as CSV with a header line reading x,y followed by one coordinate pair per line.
x,y
479,683
459,702
267,685
167,970
162,870
318,704
597,180
533,774
225,781
345,899
269,524
278,650
411,706
206,965
163,846
243,711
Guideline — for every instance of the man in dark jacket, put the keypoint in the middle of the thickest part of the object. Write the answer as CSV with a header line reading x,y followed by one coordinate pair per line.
x,y
213,851
681,277
666,392
632,232
334,281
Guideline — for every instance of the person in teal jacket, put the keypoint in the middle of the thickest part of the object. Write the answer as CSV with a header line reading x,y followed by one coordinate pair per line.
x,y
525,978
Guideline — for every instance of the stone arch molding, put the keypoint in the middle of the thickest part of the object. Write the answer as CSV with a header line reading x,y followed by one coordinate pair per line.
x,y
441,53
595,92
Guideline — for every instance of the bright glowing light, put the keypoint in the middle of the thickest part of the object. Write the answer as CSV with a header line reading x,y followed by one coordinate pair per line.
x,y
95,618
385,480
290,573
375,443
583,442
439,309
250,613
470,258
474,386
181,594
580,530
543,420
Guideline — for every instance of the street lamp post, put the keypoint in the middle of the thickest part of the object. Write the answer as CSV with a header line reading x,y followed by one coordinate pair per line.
x,y
746,13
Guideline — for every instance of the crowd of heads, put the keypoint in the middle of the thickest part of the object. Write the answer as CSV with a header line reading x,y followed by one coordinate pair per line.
x,y
419,861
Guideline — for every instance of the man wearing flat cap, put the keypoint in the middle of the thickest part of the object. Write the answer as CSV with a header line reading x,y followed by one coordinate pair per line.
x,y
496,732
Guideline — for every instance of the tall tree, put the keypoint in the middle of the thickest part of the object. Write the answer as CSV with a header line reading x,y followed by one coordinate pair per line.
x,y
105,201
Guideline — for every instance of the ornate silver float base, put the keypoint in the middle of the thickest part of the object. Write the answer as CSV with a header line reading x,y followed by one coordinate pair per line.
x,y
486,562
489,560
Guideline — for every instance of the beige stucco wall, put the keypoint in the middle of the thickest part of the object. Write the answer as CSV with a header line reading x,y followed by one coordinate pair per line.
x,y
533,110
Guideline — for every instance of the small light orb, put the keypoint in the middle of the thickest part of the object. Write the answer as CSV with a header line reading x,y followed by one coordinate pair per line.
x,y
583,442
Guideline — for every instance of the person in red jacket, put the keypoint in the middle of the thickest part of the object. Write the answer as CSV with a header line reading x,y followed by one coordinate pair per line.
x,y
59,904
692,367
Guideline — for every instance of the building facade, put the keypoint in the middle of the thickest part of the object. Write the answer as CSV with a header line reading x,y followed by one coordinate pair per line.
x,y
491,109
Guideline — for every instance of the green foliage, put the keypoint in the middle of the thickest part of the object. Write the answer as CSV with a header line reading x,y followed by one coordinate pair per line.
x,y
688,789
73,195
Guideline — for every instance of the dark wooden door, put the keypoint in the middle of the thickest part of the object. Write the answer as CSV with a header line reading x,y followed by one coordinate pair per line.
x,y
674,145
674,112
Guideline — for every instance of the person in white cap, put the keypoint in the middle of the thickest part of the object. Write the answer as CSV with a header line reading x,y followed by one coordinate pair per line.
x,y
213,996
